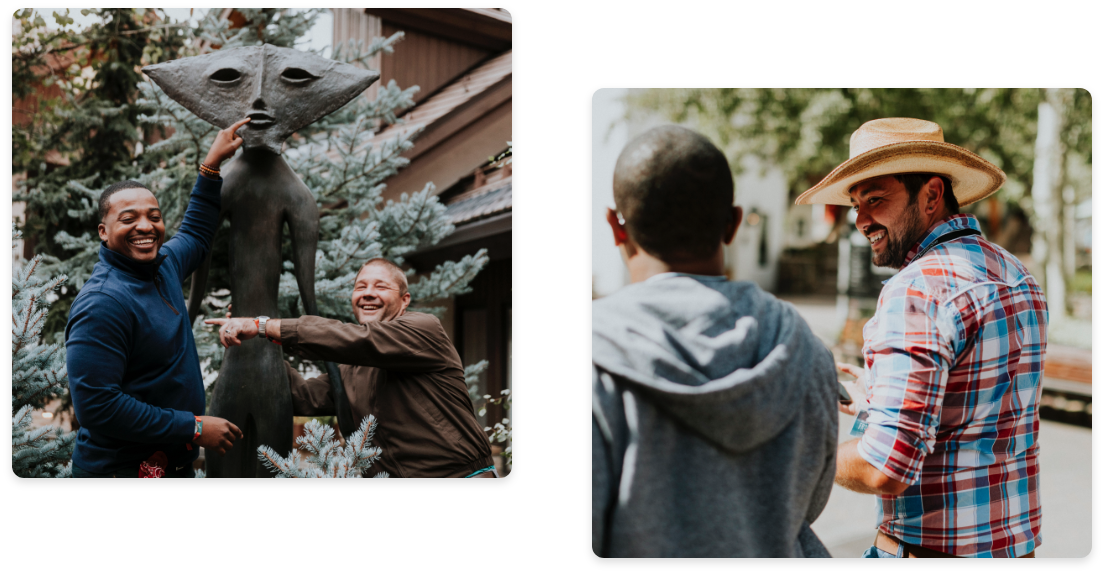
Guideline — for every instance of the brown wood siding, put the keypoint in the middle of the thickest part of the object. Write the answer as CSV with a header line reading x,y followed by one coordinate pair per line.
x,y
355,24
492,291
426,61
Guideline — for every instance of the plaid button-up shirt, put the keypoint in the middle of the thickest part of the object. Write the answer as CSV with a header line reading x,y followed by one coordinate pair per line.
x,y
954,361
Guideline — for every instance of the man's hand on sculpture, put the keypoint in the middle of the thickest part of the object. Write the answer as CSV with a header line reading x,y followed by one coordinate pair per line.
x,y
226,143
235,330
218,434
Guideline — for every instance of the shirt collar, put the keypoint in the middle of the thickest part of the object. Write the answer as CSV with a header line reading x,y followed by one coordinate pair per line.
x,y
944,226
701,278
141,270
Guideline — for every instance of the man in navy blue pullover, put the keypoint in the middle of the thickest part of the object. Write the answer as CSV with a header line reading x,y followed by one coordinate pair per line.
x,y
133,368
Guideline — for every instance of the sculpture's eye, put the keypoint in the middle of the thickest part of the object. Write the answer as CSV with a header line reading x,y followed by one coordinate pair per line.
x,y
226,76
297,76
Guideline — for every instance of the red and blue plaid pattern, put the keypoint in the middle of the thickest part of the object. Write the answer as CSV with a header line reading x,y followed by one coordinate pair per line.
x,y
954,357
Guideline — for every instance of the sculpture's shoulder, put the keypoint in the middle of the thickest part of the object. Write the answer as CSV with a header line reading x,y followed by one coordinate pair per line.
x,y
261,173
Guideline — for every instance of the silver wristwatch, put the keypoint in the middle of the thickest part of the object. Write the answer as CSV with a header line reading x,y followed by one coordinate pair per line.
x,y
261,319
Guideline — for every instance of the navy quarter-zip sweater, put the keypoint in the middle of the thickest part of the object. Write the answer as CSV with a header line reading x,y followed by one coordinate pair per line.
x,y
133,368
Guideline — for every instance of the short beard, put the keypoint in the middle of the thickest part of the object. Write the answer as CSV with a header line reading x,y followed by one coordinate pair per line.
x,y
899,244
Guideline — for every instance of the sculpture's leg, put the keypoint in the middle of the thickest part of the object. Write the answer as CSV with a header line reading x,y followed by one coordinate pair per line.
x,y
303,225
252,392
226,403
222,405
271,407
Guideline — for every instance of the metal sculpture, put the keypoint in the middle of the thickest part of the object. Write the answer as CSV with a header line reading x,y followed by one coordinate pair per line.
x,y
281,90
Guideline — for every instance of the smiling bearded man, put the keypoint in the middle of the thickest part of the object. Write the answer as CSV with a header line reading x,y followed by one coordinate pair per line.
x,y
953,355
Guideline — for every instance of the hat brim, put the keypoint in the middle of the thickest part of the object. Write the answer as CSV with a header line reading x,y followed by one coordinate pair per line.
x,y
972,177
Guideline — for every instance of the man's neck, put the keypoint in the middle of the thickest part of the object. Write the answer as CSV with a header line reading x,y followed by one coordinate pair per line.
x,y
643,266
938,218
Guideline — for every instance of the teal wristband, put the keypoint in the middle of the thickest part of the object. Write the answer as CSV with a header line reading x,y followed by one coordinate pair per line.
x,y
198,429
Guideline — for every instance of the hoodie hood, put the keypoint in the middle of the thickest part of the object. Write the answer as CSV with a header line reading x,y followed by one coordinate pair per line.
x,y
726,359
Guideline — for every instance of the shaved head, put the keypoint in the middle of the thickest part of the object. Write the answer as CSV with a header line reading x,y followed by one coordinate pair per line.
x,y
674,189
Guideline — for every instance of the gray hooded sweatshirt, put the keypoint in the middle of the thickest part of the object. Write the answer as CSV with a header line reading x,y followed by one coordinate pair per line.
x,y
714,428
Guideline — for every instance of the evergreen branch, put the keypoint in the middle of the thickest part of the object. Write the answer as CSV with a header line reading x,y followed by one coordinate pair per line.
x,y
152,28
327,458
365,170
282,467
26,323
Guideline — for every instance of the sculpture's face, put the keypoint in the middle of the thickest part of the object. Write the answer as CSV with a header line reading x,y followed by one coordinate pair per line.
x,y
281,89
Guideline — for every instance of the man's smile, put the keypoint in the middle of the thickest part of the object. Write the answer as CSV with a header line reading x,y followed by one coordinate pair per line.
x,y
143,242
877,238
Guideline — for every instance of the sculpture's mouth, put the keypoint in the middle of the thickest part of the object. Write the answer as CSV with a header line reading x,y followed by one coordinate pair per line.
x,y
260,120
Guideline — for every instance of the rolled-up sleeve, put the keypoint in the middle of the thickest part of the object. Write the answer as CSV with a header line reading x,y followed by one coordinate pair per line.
x,y
910,349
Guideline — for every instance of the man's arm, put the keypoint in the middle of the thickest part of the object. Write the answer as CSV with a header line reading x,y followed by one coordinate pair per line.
x,y
96,357
911,348
312,396
193,239
855,474
410,342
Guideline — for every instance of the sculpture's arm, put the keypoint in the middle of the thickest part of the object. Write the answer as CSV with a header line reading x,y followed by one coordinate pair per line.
x,y
303,224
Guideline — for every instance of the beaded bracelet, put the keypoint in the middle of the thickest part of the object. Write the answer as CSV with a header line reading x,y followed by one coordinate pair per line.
x,y
208,171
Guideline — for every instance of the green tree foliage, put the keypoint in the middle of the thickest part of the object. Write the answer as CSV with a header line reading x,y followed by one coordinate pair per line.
x,y
90,118
502,432
806,132
113,125
38,375
328,458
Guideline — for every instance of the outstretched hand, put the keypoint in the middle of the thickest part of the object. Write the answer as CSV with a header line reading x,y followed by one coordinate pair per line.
x,y
233,331
218,434
856,388
226,143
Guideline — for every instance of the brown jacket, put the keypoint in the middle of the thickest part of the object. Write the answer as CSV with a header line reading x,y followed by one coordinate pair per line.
x,y
407,374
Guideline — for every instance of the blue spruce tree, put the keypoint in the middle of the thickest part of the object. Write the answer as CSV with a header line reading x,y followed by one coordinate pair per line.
x,y
328,458
38,375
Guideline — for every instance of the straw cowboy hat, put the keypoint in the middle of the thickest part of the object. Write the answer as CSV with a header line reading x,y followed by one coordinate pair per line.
x,y
906,146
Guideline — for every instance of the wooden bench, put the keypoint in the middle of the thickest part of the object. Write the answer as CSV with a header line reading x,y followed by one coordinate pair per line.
x,y
1068,369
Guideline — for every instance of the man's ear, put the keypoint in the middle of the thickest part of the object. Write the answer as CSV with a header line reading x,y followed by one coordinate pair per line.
x,y
102,230
934,199
737,218
619,233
